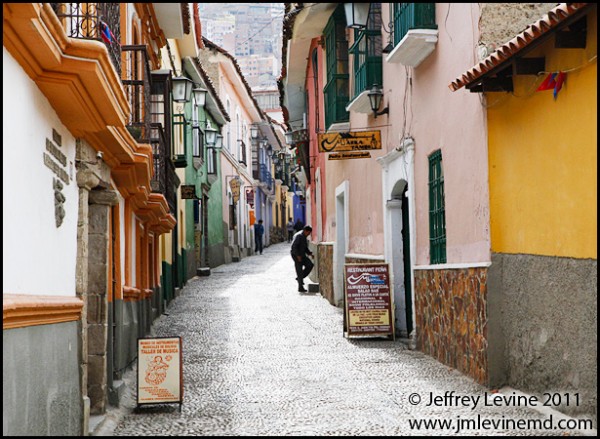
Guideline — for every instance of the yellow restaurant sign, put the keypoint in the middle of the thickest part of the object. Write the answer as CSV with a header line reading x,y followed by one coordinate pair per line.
x,y
349,141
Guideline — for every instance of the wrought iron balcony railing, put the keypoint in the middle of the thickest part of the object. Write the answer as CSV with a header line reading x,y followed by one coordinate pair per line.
x,y
93,21
409,16
265,176
164,178
136,80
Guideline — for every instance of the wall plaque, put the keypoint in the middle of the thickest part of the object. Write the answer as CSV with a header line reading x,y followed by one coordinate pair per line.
x,y
349,155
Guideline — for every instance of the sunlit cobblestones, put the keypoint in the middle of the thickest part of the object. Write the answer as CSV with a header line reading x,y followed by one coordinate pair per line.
x,y
262,359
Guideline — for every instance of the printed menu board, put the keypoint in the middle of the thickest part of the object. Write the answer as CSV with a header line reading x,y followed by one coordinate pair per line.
x,y
368,304
159,370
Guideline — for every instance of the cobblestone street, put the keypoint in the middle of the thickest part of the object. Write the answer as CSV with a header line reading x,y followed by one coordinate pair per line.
x,y
262,359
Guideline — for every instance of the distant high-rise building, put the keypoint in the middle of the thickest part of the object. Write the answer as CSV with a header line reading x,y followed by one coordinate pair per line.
x,y
251,32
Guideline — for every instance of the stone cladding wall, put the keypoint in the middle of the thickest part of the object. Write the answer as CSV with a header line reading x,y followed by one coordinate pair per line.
x,y
451,318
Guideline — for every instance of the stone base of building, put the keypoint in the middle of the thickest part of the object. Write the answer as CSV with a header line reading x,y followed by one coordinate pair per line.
x,y
451,318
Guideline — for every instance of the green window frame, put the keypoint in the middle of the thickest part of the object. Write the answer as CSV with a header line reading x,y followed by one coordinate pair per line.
x,y
180,140
437,211
367,53
336,90
407,16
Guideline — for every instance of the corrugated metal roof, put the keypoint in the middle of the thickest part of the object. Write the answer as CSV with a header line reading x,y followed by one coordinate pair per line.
x,y
546,24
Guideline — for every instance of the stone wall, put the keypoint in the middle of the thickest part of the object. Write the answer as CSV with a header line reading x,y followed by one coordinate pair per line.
x,y
451,320
501,22
325,270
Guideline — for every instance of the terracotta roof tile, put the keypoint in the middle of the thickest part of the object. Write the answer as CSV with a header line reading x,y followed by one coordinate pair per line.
x,y
534,31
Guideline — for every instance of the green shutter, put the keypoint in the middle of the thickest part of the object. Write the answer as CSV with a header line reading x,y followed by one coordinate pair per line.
x,y
336,56
437,212
367,53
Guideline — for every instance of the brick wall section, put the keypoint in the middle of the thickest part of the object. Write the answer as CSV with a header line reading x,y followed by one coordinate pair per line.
x,y
325,270
451,318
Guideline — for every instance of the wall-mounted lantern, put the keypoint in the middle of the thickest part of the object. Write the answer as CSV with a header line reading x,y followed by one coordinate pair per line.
x,y
357,14
199,96
375,99
182,89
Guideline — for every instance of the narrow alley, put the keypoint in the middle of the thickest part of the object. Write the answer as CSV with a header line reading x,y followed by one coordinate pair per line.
x,y
262,359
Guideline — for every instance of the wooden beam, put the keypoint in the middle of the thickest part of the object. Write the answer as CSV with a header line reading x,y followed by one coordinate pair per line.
x,y
529,66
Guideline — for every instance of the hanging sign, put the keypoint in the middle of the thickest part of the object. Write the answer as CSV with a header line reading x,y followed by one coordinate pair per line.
x,y
234,184
368,304
188,192
349,155
160,371
349,141
250,197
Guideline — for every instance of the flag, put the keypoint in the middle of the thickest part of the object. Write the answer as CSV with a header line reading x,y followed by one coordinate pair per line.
x,y
106,33
548,83
560,79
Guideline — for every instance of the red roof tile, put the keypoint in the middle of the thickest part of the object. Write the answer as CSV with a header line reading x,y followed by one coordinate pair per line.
x,y
534,31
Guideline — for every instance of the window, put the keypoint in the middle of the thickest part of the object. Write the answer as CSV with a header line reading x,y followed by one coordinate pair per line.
x,y
197,142
367,52
336,90
437,212
409,16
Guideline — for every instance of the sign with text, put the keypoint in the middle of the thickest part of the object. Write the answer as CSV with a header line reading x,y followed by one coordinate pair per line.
x,y
188,192
349,155
350,141
160,370
368,300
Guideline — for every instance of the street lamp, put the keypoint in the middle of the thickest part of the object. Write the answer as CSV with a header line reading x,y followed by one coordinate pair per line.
x,y
357,14
182,89
289,137
210,134
199,96
254,131
375,98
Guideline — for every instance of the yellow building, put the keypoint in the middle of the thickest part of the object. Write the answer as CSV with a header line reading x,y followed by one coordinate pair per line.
x,y
542,289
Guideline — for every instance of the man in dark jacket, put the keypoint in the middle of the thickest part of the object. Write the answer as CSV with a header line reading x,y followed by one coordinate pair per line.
x,y
259,231
299,251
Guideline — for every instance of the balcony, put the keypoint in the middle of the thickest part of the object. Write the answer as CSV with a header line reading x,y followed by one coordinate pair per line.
x,y
265,177
415,33
164,180
136,81
93,21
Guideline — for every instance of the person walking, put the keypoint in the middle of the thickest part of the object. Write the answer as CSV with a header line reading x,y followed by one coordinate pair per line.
x,y
299,225
299,251
259,231
290,230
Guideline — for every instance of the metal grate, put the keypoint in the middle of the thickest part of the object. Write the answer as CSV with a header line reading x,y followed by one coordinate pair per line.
x,y
93,21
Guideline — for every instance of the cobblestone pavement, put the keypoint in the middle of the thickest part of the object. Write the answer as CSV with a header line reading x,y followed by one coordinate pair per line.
x,y
262,359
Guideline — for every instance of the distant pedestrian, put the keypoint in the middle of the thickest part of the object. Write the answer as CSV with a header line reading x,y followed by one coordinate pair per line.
x,y
259,231
290,230
299,225
299,251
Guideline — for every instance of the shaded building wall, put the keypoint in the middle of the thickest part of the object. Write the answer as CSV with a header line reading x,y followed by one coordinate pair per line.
x,y
41,392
